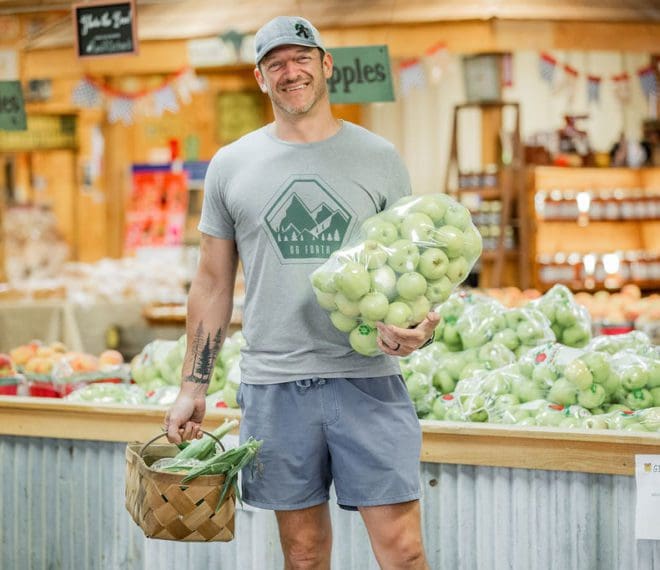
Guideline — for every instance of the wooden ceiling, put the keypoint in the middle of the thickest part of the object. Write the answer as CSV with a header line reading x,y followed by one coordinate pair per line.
x,y
176,19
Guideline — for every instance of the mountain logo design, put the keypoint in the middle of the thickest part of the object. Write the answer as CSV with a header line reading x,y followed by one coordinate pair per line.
x,y
307,221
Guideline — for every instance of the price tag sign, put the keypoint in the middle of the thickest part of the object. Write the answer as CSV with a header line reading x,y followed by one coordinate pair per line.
x,y
12,108
647,513
361,75
105,28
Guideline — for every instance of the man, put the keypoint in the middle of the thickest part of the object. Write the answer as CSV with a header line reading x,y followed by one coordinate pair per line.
x,y
285,197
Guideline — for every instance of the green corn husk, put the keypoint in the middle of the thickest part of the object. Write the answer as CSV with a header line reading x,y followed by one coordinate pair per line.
x,y
205,447
230,464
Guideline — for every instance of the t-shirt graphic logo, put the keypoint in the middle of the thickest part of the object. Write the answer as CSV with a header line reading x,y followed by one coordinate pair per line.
x,y
302,31
306,220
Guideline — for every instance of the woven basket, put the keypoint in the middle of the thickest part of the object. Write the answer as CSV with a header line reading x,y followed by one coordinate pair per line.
x,y
165,508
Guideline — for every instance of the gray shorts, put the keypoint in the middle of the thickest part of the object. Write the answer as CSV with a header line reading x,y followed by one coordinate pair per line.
x,y
361,433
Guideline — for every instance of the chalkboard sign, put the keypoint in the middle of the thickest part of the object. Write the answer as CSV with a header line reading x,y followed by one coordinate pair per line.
x,y
105,28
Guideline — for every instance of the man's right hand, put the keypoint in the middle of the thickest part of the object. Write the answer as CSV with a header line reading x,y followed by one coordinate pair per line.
x,y
184,419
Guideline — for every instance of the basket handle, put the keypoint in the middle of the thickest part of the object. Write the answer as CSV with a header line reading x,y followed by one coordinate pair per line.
x,y
141,453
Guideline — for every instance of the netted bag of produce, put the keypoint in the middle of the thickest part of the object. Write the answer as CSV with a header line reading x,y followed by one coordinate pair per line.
x,y
644,420
108,393
408,260
446,368
453,310
633,340
570,321
517,329
636,380
159,364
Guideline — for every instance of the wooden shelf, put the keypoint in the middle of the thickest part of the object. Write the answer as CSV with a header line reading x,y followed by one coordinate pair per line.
x,y
491,255
586,451
591,222
485,192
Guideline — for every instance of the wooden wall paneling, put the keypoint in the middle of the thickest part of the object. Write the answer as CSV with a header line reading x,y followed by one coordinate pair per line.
x,y
598,237
54,186
650,236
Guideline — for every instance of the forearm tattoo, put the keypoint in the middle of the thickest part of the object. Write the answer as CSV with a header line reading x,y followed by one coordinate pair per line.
x,y
203,353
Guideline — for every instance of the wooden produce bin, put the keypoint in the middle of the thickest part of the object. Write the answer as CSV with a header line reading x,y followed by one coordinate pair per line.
x,y
537,497
622,217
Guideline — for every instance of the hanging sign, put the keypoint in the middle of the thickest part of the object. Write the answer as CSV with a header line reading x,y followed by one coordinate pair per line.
x,y
361,75
12,108
105,28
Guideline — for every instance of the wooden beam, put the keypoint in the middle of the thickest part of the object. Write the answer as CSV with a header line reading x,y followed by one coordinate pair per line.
x,y
404,40
587,451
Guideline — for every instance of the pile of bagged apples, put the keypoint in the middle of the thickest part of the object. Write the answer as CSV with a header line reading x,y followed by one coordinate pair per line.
x,y
535,365
409,259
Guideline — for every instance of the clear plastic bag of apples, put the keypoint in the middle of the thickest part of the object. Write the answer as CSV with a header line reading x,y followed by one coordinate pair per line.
x,y
406,261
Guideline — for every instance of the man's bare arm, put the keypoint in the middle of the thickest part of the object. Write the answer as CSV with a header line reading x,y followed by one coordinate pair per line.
x,y
210,304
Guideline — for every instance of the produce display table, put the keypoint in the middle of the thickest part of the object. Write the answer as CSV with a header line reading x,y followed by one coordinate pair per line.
x,y
493,497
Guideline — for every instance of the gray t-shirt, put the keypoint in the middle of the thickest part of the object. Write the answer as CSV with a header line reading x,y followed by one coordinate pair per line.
x,y
288,206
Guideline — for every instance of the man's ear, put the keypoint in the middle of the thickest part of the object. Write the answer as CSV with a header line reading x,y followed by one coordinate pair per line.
x,y
327,64
260,80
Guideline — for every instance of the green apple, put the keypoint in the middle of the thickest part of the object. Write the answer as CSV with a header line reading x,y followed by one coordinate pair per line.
x,y
324,281
418,385
343,322
442,381
404,256
411,285
655,394
383,280
420,308
374,306
633,377
592,397
418,228
654,374
433,263
508,338
454,363
504,401
353,281
550,416
599,365
363,339
576,335
432,206
563,392
373,254
450,335
638,399
346,306
450,239
472,369
458,270
544,375
528,391
578,373
565,315
635,426
528,332
514,317
548,309
438,291
380,230
439,408
472,243
613,383
326,300
457,216
399,314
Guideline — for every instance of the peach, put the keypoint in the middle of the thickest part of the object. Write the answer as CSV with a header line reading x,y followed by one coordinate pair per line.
x,y
45,352
82,362
39,365
21,354
110,358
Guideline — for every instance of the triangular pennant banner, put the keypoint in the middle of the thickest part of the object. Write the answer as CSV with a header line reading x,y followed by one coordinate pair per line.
x,y
411,76
120,109
647,81
547,66
593,88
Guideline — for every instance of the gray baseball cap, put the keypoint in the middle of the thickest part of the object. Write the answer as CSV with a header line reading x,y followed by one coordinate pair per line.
x,y
285,30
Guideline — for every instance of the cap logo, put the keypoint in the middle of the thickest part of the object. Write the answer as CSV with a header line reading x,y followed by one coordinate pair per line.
x,y
303,31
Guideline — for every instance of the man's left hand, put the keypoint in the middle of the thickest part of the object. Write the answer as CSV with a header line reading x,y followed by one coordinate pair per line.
x,y
397,341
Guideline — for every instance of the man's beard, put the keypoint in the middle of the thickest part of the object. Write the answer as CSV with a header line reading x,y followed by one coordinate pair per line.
x,y
317,94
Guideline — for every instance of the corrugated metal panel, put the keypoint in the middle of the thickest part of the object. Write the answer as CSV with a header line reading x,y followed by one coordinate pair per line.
x,y
62,507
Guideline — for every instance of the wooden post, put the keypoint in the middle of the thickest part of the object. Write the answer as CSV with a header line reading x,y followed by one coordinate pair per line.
x,y
3,274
